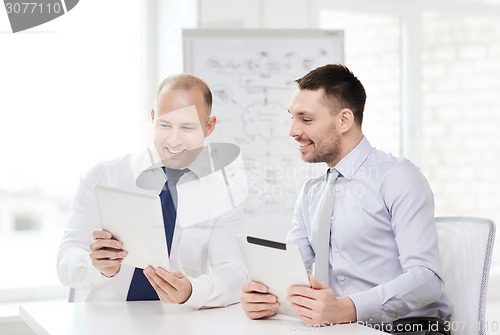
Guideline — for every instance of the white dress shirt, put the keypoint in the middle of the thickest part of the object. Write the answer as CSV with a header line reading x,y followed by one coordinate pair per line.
x,y
383,242
204,236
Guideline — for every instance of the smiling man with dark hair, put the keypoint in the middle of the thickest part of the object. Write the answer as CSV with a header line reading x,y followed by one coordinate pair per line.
x,y
367,225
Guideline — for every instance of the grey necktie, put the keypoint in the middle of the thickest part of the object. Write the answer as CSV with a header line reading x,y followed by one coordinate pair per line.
x,y
321,263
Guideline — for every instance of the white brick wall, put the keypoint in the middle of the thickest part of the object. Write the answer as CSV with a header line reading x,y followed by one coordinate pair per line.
x,y
461,114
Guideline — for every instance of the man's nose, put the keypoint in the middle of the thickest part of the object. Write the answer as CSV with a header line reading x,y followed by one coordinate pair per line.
x,y
295,130
174,138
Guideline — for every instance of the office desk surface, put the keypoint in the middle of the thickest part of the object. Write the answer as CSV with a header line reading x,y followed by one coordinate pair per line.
x,y
62,318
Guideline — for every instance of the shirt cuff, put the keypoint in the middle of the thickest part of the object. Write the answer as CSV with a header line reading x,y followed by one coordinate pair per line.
x,y
95,277
199,293
368,306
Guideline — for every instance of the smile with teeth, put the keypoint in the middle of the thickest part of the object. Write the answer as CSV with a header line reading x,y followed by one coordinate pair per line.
x,y
175,151
304,145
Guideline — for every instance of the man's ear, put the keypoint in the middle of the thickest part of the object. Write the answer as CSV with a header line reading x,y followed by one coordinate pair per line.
x,y
210,125
345,120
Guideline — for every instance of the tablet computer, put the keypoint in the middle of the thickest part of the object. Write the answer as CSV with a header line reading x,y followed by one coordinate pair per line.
x,y
276,265
136,220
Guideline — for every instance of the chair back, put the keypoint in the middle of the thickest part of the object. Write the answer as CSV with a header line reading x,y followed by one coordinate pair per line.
x,y
465,246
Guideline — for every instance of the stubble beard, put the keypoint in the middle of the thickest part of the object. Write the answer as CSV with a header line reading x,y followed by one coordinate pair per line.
x,y
326,151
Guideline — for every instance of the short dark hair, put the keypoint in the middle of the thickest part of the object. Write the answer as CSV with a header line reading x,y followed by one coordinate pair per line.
x,y
341,88
186,82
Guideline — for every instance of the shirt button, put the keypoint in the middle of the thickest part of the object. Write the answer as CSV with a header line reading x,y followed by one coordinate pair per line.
x,y
341,278
337,189
336,249
333,218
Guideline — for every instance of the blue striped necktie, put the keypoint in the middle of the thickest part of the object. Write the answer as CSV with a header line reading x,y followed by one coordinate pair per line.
x,y
140,288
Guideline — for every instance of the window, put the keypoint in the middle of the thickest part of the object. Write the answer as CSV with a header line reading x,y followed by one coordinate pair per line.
x,y
71,97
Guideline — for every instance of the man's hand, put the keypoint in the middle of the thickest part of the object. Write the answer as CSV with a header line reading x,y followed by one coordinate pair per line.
x,y
171,287
318,304
256,302
106,253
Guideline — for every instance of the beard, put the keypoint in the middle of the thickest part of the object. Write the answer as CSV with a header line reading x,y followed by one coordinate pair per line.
x,y
327,149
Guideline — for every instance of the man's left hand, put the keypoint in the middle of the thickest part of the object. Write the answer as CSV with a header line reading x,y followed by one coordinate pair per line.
x,y
171,287
318,304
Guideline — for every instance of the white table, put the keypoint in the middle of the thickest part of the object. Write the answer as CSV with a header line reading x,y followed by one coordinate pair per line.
x,y
62,318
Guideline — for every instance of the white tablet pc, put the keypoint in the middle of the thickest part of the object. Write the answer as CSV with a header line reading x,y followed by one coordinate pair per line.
x,y
276,265
137,221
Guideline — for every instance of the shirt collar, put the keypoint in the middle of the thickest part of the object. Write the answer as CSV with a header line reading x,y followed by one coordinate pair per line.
x,y
354,159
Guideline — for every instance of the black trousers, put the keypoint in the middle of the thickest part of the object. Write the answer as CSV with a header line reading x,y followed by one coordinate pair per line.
x,y
419,326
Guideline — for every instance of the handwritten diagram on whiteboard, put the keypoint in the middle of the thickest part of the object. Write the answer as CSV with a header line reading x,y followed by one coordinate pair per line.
x,y
251,74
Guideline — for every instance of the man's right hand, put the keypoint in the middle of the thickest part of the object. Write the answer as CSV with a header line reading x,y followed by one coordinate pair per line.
x,y
106,253
256,302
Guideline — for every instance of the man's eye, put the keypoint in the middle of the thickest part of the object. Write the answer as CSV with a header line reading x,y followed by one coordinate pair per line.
x,y
188,128
164,125
307,120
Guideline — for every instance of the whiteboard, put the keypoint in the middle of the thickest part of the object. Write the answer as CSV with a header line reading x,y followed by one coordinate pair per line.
x,y
251,74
